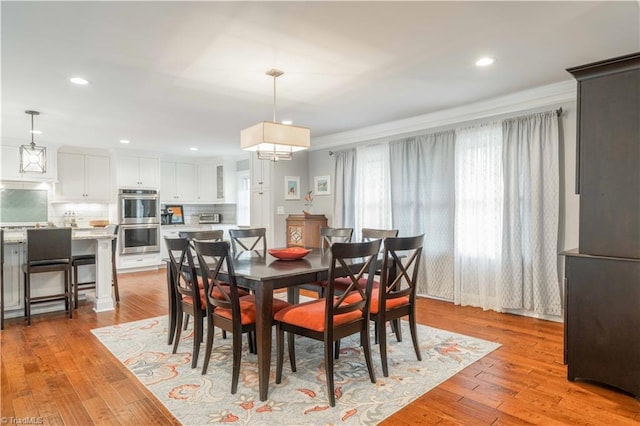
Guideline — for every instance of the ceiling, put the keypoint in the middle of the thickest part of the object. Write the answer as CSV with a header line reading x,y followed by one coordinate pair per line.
x,y
173,75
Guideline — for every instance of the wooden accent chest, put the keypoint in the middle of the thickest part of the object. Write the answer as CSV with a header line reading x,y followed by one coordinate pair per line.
x,y
303,230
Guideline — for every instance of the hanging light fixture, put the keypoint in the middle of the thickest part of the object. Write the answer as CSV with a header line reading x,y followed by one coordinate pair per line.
x,y
33,159
274,141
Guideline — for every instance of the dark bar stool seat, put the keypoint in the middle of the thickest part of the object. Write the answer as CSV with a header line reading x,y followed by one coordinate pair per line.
x,y
90,259
48,250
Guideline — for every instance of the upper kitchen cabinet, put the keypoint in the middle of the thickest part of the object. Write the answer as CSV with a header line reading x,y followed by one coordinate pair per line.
x,y
137,172
225,183
206,183
178,182
11,166
83,178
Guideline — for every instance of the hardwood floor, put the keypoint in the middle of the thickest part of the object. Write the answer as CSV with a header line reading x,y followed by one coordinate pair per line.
x,y
57,370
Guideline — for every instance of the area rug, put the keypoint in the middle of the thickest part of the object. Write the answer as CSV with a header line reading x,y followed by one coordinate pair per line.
x,y
301,398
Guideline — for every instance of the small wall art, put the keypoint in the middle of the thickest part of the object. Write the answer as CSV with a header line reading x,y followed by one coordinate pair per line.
x,y
322,185
292,187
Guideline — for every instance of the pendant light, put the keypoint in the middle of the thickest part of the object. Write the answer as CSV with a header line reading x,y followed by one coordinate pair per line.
x,y
33,159
274,141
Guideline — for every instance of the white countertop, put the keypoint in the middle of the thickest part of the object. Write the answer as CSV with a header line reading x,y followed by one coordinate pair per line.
x,y
20,236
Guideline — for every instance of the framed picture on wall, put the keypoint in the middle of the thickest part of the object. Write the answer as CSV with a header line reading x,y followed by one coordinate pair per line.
x,y
322,185
292,187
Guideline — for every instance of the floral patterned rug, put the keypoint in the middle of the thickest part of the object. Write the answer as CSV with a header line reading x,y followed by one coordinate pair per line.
x,y
301,398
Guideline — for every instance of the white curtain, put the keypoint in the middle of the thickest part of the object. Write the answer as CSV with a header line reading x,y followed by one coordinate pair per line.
x,y
478,215
344,189
422,194
530,278
373,189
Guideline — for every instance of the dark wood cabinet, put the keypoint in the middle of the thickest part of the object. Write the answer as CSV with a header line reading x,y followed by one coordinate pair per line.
x,y
603,321
609,156
602,277
303,230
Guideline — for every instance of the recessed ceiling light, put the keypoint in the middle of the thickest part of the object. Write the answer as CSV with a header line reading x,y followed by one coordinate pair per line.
x,y
287,122
36,132
79,80
193,148
125,141
483,62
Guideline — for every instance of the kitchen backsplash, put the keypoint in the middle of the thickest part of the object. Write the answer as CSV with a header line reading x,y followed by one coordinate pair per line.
x,y
193,211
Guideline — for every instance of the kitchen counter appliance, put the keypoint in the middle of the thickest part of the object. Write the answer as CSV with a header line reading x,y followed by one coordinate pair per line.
x,y
208,218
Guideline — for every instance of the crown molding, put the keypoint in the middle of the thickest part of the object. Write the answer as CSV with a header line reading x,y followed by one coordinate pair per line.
x,y
552,94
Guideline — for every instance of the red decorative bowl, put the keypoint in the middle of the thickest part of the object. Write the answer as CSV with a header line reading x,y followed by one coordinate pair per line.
x,y
289,253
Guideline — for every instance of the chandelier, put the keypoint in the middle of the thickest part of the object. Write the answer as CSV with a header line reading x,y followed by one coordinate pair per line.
x,y
274,141
33,159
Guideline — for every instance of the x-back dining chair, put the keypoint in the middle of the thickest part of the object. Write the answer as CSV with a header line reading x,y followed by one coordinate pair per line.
x,y
189,293
396,295
253,239
226,307
333,317
328,236
208,235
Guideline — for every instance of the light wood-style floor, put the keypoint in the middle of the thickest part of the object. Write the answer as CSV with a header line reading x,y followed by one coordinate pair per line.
x,y
57,370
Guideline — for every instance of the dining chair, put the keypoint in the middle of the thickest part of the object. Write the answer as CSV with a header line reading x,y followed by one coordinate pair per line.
x,y
48,250
328,236
209,235
396,296
368,234
253,239
225,307
333,317
90,259
189,293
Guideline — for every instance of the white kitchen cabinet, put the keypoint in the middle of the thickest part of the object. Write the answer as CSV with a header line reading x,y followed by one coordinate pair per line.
x,y
137,172
262,212
206,183
10,161
84,178
261,171
178,182
225,183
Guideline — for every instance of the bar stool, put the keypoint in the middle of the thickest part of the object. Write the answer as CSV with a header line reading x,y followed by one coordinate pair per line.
x,y
48,250
90,259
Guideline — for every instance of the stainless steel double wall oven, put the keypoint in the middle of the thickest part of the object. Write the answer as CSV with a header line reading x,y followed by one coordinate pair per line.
x,y
139,213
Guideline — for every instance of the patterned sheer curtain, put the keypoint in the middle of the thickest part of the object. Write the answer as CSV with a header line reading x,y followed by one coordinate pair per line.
x,y
530,278
344,189
373,189
422,195
478,215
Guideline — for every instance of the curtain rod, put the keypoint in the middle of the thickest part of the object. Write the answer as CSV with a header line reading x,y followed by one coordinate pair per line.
x,y
558,111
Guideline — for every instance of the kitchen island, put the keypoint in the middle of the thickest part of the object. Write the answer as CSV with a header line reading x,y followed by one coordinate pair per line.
x,y
91,240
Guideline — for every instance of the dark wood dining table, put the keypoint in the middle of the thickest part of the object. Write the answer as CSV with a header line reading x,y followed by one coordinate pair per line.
x,y
264,274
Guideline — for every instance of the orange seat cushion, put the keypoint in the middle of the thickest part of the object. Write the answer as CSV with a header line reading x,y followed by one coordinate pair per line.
x,y
311,315
390,303
203,300
248,309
